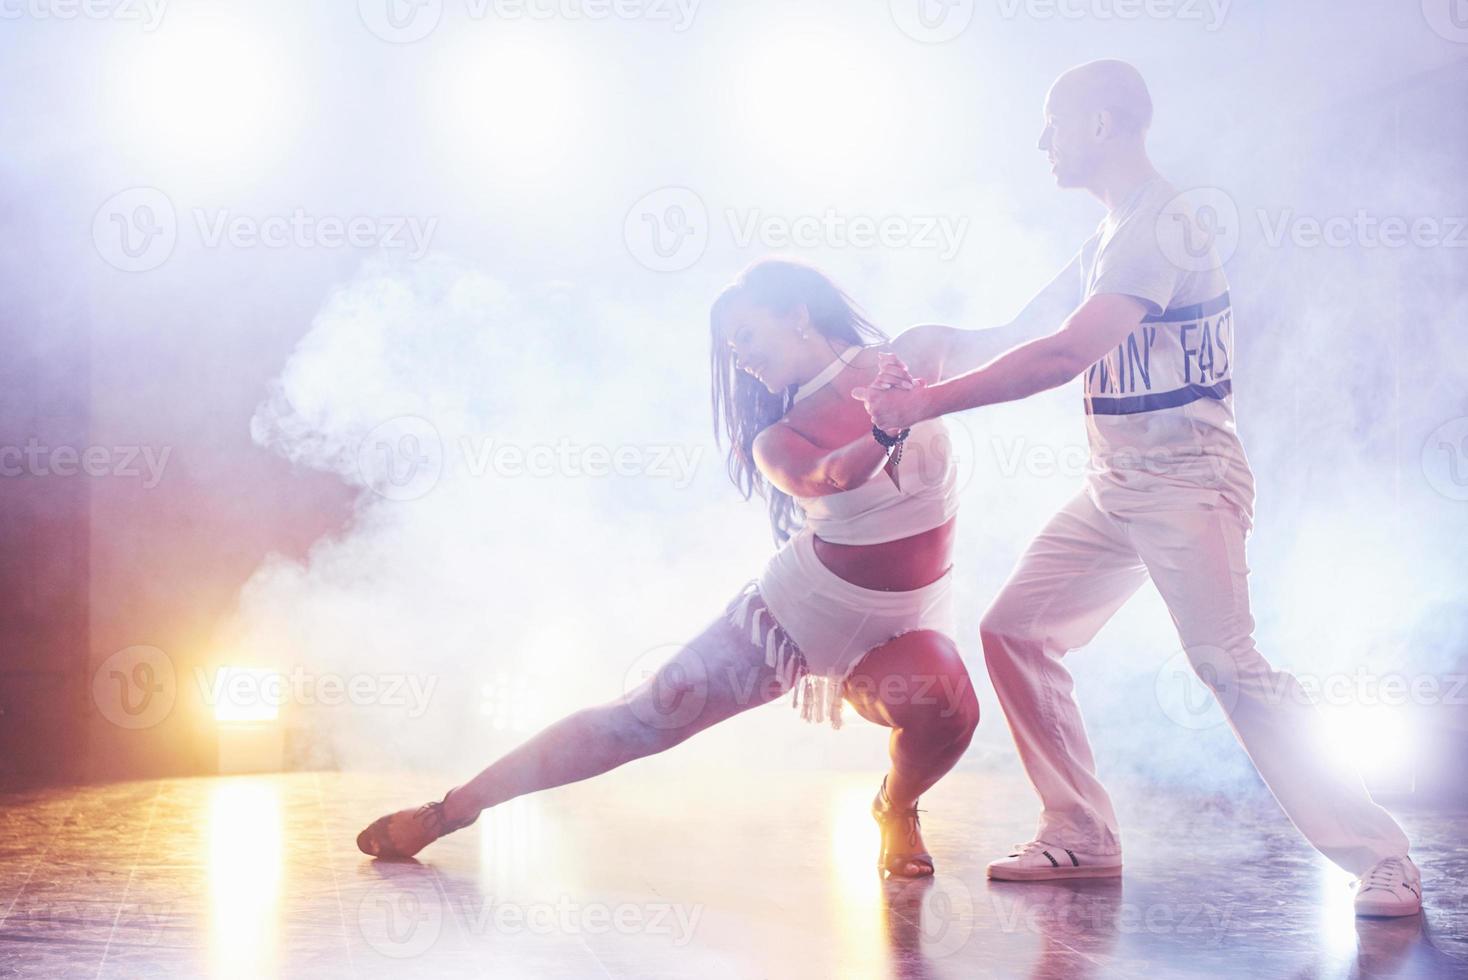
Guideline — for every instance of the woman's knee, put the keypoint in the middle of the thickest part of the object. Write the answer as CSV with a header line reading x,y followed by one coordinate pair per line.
x,y
926,691
961,714
939,730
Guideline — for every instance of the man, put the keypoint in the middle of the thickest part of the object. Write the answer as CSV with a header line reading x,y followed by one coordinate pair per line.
x,y
1168,494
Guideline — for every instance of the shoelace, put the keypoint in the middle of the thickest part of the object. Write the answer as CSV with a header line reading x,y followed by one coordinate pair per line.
x,y
1387,874
912,828
433,815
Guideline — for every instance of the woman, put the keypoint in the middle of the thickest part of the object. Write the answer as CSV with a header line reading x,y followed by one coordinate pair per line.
x,y
856,605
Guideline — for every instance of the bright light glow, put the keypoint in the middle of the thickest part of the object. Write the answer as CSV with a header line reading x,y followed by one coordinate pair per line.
x,y
511,107
1374,739
808,102
513,851
1335,921
244,878
247,694
855,841
209,92
1344,636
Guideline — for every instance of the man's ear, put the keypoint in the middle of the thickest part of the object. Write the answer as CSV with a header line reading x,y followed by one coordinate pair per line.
x,y
1105,124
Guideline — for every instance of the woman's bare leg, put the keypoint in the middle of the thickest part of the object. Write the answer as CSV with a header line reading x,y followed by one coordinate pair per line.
x,y
916,685
715,677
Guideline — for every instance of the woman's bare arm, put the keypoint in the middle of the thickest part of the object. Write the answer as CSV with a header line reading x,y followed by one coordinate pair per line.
x,y
799,467
934,352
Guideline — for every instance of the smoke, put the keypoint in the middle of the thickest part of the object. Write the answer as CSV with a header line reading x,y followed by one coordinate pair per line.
x,y
495,551
509,547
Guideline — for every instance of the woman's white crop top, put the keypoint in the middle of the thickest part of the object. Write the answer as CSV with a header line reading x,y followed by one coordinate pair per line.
x,y
880,510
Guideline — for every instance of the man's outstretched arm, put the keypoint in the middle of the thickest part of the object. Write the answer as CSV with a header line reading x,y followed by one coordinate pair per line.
x,y
1097,325
969,349
961,350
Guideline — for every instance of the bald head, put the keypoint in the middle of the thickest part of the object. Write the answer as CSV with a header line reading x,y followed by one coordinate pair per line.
x,y
1096,119
1114,87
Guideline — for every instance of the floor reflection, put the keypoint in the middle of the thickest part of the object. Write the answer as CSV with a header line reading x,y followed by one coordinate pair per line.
x,y
727,875
856,912
244,877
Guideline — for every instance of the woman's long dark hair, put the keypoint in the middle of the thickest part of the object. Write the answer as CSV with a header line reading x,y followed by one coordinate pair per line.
x,y
743,407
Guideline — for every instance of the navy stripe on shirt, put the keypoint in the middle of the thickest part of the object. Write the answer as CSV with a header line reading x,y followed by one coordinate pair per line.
x,y
1133,404
1186,314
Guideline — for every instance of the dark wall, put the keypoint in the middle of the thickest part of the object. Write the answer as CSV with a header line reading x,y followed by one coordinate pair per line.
x,y
45,523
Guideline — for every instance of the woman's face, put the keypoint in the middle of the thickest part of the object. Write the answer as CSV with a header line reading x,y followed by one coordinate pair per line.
x,y
765,344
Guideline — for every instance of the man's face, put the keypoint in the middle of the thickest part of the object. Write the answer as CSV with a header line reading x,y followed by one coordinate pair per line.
x,y
1069,139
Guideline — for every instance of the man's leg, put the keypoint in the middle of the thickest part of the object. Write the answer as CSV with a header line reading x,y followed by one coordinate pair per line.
x,y
1074,576
1196,559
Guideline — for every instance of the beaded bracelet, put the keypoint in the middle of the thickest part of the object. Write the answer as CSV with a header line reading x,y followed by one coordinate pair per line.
x,y
892,443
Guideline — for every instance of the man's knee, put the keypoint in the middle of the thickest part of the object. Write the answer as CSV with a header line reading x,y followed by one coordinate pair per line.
x,y
1232,667
1000,632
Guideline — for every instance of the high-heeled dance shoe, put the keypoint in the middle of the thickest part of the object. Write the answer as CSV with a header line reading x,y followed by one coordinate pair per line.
x,y
401,835
899,825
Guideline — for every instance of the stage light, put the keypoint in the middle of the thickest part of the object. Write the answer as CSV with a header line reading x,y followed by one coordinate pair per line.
x,y
246,703
510,108
807,102
510,703
206,95
246,694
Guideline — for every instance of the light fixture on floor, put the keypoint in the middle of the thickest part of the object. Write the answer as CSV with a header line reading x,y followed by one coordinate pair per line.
x,y
251,738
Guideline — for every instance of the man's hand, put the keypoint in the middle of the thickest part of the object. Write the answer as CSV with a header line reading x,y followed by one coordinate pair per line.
x,y
895,399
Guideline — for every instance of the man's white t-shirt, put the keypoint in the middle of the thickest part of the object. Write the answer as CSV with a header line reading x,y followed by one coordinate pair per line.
x,y
1159,407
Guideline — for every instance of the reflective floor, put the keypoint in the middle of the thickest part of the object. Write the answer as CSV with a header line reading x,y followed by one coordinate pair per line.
x,y
630,876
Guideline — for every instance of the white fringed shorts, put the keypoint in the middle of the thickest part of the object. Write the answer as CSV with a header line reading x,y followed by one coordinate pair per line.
x,y
815,626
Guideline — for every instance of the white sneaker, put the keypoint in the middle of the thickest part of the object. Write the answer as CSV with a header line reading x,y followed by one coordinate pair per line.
x,y
1392,887
1039,861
